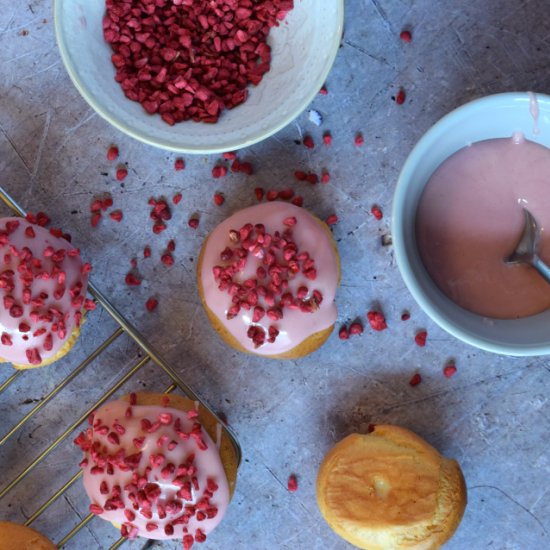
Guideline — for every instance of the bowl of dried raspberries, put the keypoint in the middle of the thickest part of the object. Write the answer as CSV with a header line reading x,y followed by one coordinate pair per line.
x,y
198,76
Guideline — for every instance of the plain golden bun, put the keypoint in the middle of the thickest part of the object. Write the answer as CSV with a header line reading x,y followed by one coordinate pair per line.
x,y
228,453
18,537
390,490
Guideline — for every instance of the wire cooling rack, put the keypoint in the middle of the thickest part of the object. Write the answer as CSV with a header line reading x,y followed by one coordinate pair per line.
x,y
149,355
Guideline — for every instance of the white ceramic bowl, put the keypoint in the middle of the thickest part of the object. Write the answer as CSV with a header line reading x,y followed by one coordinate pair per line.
x,y
490,117
304,47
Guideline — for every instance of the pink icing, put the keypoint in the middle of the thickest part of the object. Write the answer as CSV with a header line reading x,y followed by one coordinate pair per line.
x,y
42,286
470,218
150,502
296,325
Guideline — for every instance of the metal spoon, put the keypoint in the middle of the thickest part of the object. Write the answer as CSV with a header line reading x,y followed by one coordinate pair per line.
x,y
526,251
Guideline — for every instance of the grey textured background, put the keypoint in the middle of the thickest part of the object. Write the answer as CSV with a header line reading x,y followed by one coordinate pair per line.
x,y
492,416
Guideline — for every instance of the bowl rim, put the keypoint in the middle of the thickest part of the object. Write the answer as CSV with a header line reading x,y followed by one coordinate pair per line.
x,y
191,149
397,230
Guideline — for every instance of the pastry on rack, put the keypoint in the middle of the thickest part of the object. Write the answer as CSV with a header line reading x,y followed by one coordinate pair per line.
x,y
14,536
389,489
158,467
267,278
43,283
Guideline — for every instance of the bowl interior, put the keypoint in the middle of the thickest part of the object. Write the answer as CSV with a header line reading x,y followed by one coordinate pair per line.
x,y
304,47
490,117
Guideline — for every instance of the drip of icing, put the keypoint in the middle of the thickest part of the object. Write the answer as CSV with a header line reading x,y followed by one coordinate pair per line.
x,y
207,462
534,110
309,236
40,333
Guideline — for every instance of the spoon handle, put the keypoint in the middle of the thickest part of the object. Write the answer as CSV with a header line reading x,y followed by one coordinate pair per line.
x,y
542,268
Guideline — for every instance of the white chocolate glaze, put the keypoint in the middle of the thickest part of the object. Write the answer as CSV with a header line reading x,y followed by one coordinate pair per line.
x,y
295,325
43,285
170,438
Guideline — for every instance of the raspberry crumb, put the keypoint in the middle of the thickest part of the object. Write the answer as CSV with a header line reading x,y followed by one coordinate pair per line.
x,y
359,139
121,174
132,280
356,328
218,199
151,304
420,338
272,195
406,36
298,201
179,164
219,171
229,155
332,219
193,223
116,215
405,316
292,484
259,192
323,90
176,199
415,380
96,216
112,153
343,333
400,97
377,212
147,252
325,177
449,370
377,320
308,142
327,138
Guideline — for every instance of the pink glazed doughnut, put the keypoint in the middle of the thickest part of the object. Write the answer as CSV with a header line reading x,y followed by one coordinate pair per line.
x,y
267,278
152,468
43,284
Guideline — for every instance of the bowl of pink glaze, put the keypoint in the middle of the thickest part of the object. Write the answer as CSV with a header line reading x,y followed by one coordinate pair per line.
x,y
509,120
303,49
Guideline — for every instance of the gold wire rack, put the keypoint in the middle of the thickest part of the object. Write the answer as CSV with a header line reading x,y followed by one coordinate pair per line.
x,y
149,355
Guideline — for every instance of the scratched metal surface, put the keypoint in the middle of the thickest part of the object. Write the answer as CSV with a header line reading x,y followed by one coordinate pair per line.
x,y
493,416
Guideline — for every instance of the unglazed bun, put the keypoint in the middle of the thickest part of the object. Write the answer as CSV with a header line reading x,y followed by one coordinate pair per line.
x,y
390,490
18,537
267,278
43,284
158,467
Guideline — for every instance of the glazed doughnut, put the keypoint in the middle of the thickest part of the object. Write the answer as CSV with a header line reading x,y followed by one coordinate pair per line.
x,y
390,490
267,278
43,284
158,467
18,537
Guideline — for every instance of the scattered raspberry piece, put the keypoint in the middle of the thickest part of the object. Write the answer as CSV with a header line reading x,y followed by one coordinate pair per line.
x,y
116,215
171,246
179,164
193,223
272,195
298,201
450,370
218,199
121,174
286,194
132,280
176,199
246,168
323,90
376,212
359,139
96,205
106,203
96,216
292,484
356,328
312,178
377,320
151,304
420,338
300,176
167,259
259,192
325,177
327,138
332,219
230,155
405,316
415,380
400,97
406,36
308,142
147,252
112,153
343,333
219,171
